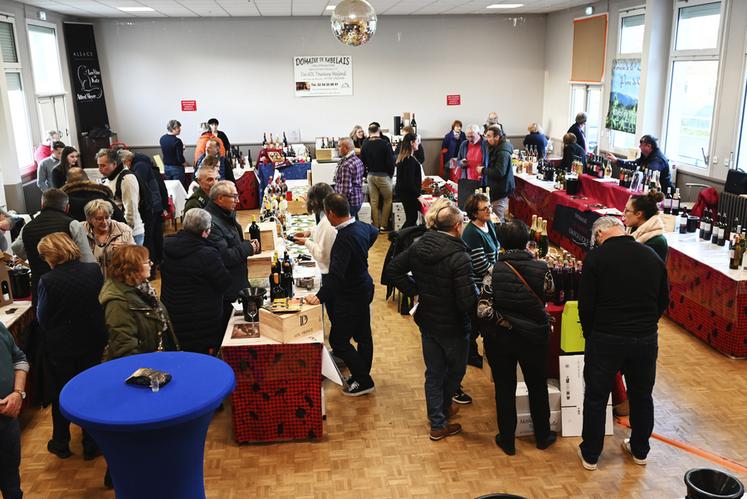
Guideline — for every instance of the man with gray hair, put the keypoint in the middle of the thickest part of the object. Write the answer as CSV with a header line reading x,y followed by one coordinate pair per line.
x,y
577,129
52,218
227,235
349,176
172,151
623,292
473,154
207,175
446,296
194,280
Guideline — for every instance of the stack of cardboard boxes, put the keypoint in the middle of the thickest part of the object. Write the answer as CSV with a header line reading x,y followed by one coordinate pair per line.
x,y
572,397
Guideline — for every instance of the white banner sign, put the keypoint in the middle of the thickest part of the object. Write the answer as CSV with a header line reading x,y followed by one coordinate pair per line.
x,y
323,75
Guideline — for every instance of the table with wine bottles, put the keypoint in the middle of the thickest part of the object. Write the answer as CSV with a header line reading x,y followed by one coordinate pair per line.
x,y
708,297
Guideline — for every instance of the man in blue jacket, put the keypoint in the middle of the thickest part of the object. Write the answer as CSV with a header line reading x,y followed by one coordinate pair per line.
x,y
652,158
13,369
351,288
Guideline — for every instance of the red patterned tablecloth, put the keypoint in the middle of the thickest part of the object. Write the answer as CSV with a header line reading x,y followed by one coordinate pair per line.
x,y
248,187
607,193
278,391
708,303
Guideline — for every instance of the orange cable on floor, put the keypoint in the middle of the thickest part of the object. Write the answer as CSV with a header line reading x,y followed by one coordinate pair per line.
x,y
716,459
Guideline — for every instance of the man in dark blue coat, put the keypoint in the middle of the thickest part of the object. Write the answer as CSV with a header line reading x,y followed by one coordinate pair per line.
x,y
194,280
350,287
652,158
577,129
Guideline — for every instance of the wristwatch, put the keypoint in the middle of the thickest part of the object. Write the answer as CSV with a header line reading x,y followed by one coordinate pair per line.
x,y
21,393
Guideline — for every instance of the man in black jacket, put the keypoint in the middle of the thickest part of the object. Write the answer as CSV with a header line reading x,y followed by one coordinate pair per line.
x,y
377,157
226,234
623,292
194,279
446,297
577,129
351,289
80,190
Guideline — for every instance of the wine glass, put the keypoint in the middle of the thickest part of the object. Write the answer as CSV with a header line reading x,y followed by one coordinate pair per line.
x,y
251,311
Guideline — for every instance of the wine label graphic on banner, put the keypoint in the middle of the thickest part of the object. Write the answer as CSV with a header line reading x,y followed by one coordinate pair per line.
x,y
320,76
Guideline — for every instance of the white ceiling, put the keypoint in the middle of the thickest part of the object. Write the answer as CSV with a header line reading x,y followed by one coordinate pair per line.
x,y
241,8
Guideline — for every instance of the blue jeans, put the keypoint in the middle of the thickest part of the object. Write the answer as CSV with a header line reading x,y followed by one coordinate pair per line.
x,y
10,458
171,172
445,364
139,239
604,356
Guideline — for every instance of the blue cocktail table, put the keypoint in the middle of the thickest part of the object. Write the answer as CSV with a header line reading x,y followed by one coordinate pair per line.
x,y
153,441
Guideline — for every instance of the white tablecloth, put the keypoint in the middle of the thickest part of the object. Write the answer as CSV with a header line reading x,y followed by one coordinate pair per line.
x,y
178,195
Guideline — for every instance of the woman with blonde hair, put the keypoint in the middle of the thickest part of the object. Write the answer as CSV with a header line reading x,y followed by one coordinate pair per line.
x,y
72,322
103,233
136,320
536,139
358,135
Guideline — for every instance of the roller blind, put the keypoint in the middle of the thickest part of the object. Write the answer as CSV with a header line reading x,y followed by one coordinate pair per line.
x,y
8,43
589,49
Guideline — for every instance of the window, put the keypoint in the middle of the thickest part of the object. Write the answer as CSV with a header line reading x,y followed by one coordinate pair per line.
x,y
694,66
45,60
630,45
588,99
8,43
742,151
20,119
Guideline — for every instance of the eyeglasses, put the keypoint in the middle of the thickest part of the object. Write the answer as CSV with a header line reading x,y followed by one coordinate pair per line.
x,y
486,208
234,196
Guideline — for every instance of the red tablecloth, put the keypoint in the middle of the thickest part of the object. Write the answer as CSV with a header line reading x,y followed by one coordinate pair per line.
x,y
278,391
709,304
607,193
248,187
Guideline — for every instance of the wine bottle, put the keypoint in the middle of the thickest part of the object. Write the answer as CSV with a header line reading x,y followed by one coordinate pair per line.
x,y
276,290
676,202
705,226
414,124
288,276
725,232
533,230
285,141
668,202
683,222
254,233
264,139
5,291
733,259
543,244
716,229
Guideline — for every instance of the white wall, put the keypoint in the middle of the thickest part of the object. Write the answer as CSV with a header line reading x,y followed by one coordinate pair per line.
x,y
411,64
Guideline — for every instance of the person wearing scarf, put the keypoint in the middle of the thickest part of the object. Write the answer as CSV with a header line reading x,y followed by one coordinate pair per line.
x,y
643,221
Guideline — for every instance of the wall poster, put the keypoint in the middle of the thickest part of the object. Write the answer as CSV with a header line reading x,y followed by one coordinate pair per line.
x,y
321,76
623,108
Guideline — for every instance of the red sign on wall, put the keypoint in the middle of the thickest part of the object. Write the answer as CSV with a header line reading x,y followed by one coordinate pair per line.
x,y
453,100
189,105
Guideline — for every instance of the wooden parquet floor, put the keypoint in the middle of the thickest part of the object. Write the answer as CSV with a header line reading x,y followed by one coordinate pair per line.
x,y
378,447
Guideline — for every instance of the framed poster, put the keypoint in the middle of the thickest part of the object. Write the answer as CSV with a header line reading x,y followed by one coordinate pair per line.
x,y
323,76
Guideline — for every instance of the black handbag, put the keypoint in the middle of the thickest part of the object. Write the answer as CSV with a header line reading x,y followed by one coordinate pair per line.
x,y
736,182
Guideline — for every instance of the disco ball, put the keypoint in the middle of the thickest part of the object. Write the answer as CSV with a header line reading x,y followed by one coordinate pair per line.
x,y
354,22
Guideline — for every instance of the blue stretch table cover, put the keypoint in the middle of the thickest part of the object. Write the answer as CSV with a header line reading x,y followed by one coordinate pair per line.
x,y
154,443
265,172
99,397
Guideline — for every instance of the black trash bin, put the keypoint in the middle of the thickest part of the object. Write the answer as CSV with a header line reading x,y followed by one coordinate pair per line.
x,y
705,483
20,281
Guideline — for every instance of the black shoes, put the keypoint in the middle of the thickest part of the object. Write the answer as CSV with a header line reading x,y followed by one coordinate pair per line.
x,y
355,389
547,442
60,450
508,449
461,398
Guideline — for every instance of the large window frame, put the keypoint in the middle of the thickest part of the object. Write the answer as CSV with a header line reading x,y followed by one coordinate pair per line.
x,y
622,142
713,54
593,119
741,157
21,123
30,24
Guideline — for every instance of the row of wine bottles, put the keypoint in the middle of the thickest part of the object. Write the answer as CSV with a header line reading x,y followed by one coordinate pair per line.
x,y
288,151
238,160
566,275
671,203
716,228
538,235
281,277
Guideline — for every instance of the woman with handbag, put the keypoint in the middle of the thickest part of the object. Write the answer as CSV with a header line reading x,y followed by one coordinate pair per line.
x,y
515,328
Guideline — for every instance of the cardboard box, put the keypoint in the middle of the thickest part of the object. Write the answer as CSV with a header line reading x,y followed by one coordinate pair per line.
x,y
522,397
364,215
6,294
260,265
572,421
398,208
525,427
292,327
297,206
571,380
324,154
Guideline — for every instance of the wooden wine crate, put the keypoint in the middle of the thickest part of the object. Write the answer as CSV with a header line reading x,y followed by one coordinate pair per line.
x,y
291,327
297,207
267,235
324,154
260,265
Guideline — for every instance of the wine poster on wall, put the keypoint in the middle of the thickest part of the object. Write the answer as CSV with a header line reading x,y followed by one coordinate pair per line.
x,y
323,76
88,89
623,109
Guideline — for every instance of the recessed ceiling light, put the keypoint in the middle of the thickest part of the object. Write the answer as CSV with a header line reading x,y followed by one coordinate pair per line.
x,y
505,6
135,9
331,7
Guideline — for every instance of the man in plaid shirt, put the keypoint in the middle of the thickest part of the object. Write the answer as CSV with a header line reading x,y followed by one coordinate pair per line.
x,y
349,176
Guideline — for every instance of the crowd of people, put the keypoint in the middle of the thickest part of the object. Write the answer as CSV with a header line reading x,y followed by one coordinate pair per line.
x,y
93,247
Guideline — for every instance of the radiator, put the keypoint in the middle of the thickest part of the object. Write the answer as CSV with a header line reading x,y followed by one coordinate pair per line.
x,y
733,205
